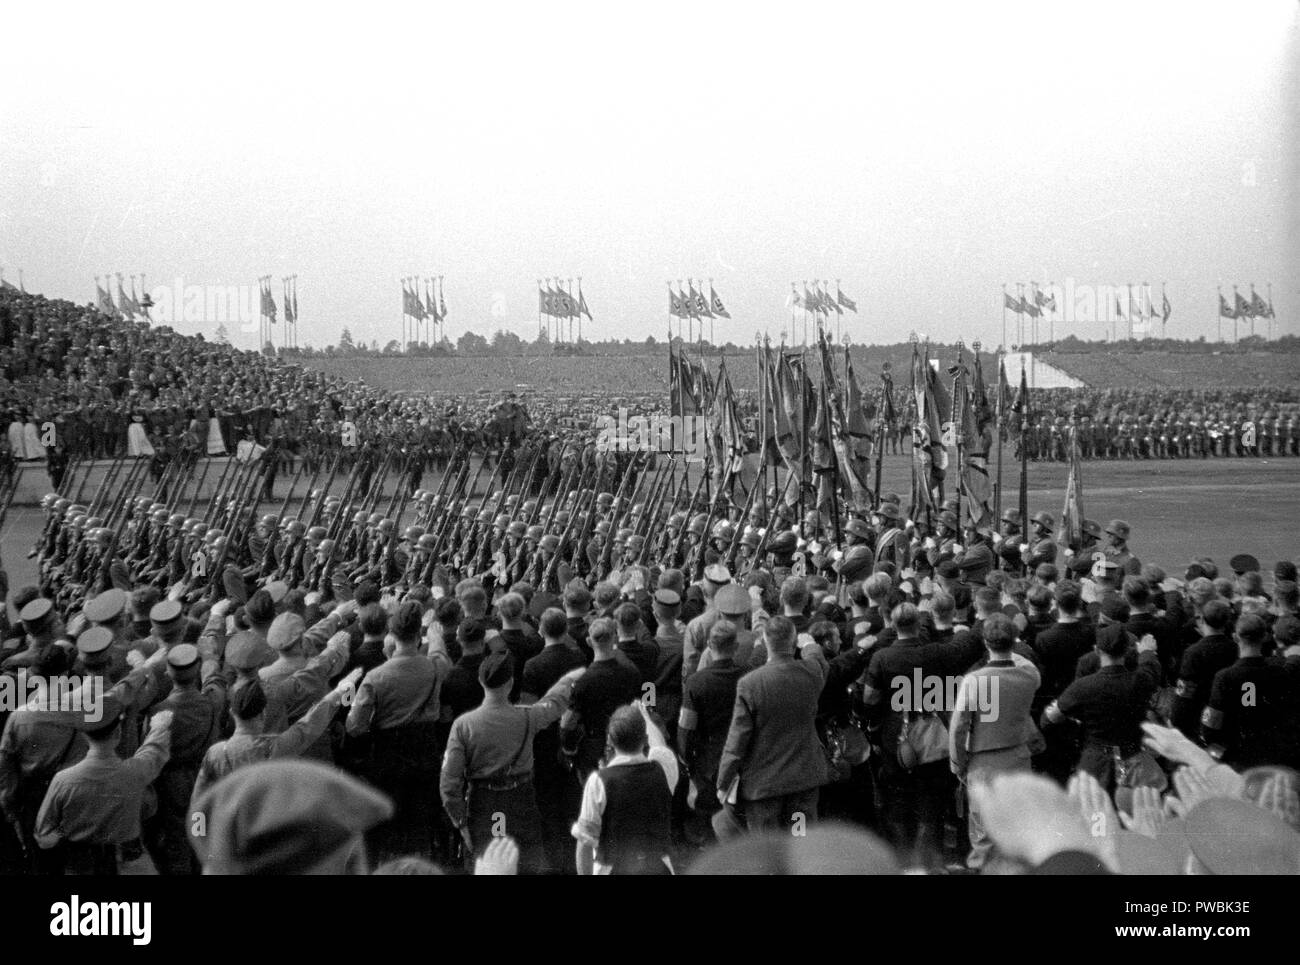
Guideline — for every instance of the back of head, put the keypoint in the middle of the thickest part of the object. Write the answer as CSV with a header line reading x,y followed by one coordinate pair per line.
x,y
1136,592
794,593
553,623
628,617
942,607
906,620
627,731
999,633
1069,597
405,623
373,621
1217,615
779,635
602,635
511,607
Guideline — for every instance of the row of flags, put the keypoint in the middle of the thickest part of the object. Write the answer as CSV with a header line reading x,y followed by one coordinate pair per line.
x,y
555,301
819,301
689,302
289,293
431,305
130,303
1035,304
1241,307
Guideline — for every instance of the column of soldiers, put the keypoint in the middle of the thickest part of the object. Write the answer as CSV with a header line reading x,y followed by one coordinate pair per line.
x,y
1218,434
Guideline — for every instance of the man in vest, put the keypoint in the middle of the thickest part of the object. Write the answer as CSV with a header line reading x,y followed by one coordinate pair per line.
x,y
625,823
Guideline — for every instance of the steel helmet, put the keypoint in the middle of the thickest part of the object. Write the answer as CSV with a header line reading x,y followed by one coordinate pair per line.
x,y
698,522
427,543
316,534
159,516
413,533
517,529
534,532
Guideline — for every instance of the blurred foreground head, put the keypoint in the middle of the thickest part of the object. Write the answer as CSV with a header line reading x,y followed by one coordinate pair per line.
x,y
286,818
827,849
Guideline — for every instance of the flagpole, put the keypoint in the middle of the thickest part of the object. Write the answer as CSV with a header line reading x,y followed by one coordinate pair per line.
x,y
1020,316
1270,311
955,415
1236,318
1024,449
1252,310
1001,425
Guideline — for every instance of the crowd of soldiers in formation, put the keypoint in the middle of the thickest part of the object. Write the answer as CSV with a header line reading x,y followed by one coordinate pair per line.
x,y
563,591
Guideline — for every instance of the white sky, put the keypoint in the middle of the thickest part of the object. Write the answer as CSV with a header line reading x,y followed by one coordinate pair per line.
x,y
925,157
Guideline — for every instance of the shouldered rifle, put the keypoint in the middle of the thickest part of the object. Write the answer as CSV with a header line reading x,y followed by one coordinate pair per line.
x,y
738,536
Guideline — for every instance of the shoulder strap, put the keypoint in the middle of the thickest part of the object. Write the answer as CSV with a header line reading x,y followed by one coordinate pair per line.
x,y
523,744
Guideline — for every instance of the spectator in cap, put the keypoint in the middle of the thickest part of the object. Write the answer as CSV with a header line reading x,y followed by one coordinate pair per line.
x,y
773,765
92,809
294,683
397,710
284,817
250,744
697,630
197,703
39,740
625,825
736,607
1262,730
487,771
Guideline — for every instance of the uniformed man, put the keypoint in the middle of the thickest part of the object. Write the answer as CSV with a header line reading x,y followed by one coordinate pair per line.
x,y
487,772
1117,534
92,810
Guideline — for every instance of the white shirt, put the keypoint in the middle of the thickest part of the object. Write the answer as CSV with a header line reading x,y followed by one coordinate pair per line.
x,y
587,828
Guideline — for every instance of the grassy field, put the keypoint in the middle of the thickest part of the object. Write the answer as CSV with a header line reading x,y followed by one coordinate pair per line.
x,y
646,375
1178,509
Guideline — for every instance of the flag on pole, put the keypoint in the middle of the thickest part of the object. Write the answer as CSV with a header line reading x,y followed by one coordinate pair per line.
x,y
715,304
1258,307
582,305
845,301
1225,310
977,508
676,304
1070,533
1165,309
442,300
692,300
1241,306
1011,303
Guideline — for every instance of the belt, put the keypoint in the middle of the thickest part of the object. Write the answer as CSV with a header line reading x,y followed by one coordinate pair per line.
x,y
501,783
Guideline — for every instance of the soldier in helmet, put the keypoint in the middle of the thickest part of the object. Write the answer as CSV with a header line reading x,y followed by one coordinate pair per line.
x,y
1007,541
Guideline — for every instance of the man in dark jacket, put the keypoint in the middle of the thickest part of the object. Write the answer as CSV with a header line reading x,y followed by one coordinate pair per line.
x,y
773,765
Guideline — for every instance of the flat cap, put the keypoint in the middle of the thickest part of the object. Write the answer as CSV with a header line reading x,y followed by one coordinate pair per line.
x,y
106,606
717,573
496,670
94,640
286,817
667,597
36,611
286,630
247,650
183,655
732,601
168,611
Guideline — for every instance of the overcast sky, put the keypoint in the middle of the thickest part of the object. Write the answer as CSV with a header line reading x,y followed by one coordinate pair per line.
x,y
925,157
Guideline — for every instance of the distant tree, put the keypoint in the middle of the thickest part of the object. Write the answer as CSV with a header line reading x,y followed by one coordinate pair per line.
x,y
507,343
220,336
392,348
345,341
471,343
268,349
